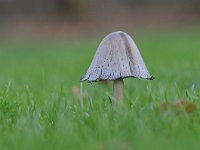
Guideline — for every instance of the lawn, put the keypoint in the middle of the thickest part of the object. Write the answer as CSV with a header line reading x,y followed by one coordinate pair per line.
x,y
40,96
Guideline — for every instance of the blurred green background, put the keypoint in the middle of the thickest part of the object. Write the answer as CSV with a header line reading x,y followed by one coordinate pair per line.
x,y
47,45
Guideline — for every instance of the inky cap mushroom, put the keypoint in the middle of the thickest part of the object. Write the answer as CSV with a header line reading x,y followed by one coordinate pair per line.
x,y
117,57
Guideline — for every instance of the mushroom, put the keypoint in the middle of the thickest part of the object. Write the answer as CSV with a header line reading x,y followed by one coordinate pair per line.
x,y
116,58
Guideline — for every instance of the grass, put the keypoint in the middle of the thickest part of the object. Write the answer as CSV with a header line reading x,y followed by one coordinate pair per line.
x,y
40,97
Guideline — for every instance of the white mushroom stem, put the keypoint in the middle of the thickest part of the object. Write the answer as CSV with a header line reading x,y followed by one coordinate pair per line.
x,y
118,90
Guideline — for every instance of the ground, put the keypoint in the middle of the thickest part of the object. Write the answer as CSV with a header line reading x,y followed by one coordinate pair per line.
x,y
40,96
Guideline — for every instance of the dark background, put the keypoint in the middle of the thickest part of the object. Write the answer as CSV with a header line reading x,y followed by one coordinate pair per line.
x,y
22,19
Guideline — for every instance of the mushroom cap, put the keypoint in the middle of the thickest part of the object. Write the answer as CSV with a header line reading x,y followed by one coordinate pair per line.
x,y
117,57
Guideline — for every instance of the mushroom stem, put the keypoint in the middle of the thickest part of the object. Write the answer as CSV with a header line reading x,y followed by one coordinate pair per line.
x,y
118,88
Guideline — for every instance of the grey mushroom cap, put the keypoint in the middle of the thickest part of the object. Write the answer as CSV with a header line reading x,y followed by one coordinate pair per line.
x,y
117,57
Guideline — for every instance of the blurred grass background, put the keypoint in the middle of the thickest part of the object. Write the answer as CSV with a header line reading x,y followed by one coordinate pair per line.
x,y
39,97
46,46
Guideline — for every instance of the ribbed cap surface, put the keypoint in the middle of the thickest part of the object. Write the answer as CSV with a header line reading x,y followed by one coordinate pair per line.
x,y
116,57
